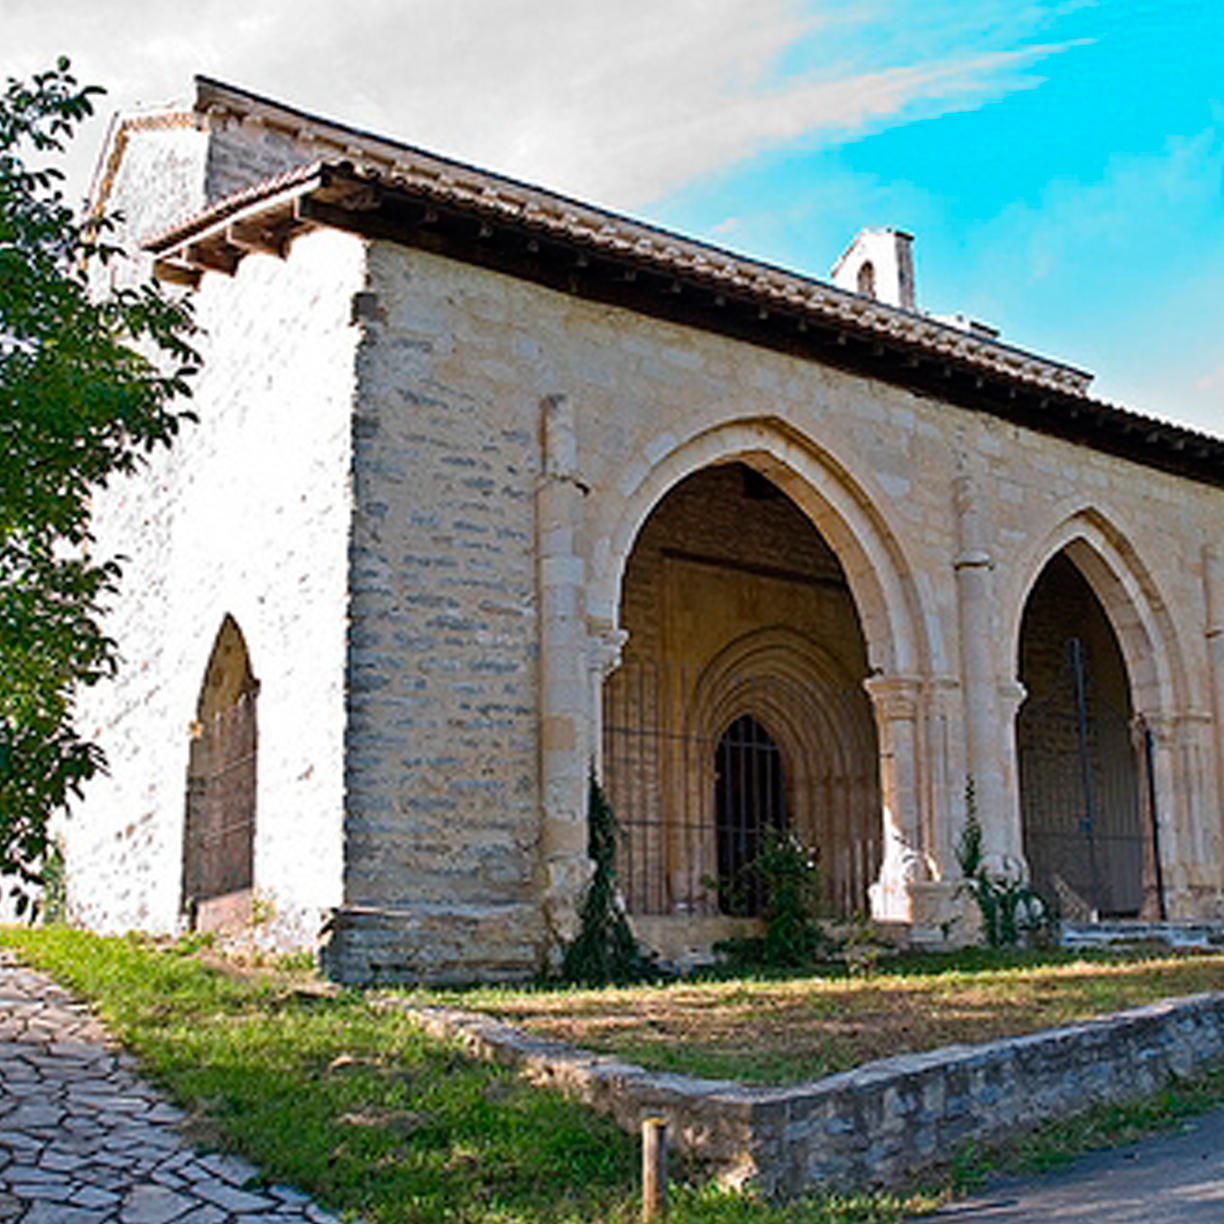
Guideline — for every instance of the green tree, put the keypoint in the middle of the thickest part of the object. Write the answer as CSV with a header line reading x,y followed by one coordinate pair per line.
x,y
89,382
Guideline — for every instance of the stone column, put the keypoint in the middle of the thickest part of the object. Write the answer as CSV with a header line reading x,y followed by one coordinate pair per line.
x,y
605,645
1213,582
1164,781
1010,696
985,741
896,703
565,701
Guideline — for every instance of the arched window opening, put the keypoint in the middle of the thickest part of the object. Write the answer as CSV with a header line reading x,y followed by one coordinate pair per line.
x,y
1080,756
749,800
219,834
867,279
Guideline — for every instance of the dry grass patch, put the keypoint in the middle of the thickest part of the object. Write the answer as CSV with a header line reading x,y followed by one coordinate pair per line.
x,y
787,1031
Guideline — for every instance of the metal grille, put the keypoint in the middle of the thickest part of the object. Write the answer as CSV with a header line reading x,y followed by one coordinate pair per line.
x,y
694,800
749,799
1080,793
220,834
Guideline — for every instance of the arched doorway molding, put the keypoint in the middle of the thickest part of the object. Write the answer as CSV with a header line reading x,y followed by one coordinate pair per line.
x,y
822,722
756,675
839,507
1127,591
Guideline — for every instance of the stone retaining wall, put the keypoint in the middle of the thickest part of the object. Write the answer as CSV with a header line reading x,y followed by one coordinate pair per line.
x,y
882,1123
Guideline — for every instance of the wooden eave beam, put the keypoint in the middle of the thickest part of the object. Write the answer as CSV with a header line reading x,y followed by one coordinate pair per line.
x,y
258,236
214,256
233,233
176,272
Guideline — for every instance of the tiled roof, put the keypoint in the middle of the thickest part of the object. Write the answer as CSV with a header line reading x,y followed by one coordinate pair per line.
x,y
371,185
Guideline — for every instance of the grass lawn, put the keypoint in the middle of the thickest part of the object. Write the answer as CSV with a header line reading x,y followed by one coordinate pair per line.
x,y
785,1031
344,1097
337,1092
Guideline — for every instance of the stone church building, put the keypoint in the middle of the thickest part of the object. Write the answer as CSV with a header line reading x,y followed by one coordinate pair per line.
x,y
489,485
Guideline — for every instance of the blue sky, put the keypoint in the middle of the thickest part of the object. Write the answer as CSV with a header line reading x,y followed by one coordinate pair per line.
x,y
1079,207
1059,161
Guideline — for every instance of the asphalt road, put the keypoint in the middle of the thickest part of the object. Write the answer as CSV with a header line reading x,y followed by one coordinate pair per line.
x,y
1175,1178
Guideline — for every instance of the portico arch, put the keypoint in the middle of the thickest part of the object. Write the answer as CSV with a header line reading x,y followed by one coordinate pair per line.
x,y
1097,653
1118,577
894,651
838,506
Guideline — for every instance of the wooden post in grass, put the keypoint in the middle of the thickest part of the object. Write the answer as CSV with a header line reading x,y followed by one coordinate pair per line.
x,y
654,1169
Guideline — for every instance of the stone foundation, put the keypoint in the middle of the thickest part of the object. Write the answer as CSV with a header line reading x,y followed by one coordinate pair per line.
x,y
438,945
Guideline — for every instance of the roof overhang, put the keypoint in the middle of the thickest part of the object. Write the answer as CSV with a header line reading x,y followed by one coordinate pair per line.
x,y
413,198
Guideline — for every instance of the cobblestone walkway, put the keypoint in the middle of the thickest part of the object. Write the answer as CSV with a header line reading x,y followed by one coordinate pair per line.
x,y
83,1140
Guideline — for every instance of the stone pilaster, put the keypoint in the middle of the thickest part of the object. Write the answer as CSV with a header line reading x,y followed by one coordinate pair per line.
x,y
896,703
1163,765
985,746
605,646
565,696
1213,581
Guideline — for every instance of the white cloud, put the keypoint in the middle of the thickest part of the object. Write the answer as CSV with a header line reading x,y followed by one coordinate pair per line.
x,y
616,103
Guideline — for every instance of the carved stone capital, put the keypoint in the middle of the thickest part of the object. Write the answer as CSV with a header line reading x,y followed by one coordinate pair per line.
x,y
896,698
606,645
1012,694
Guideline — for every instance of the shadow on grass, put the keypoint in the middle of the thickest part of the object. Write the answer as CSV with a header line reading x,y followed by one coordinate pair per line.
x,y
346,1098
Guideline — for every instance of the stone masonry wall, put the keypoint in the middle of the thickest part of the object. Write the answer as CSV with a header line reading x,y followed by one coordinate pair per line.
x,y
443,818
444,858
886,1123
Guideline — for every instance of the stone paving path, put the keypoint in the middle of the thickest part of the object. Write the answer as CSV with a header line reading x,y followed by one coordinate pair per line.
x,y
83,1140
1165,1179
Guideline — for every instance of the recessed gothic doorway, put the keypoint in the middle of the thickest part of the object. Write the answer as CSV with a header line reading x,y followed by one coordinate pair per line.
x,y
749,803
739,706
1087,834
219,833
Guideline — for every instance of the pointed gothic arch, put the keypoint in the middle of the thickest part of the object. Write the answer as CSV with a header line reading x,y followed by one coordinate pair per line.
x,y
902,639
1079,754
1127,591
740,619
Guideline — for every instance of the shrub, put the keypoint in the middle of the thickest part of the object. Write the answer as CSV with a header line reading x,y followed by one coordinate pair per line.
x,y
605,950
787,874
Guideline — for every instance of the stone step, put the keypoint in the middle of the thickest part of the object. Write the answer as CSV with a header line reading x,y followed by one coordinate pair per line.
x,y
1197,934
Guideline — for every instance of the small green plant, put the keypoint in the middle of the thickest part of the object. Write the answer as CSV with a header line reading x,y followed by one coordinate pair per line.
x,y
1012,911
787,874
862,947
53,906
263,910
300,962
191,942
605,950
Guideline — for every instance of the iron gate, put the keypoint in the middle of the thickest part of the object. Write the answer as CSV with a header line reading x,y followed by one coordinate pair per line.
x,y
1082,778
694,801
219,851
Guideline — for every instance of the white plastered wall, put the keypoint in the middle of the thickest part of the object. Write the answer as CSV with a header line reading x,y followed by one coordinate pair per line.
x,y
249,515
